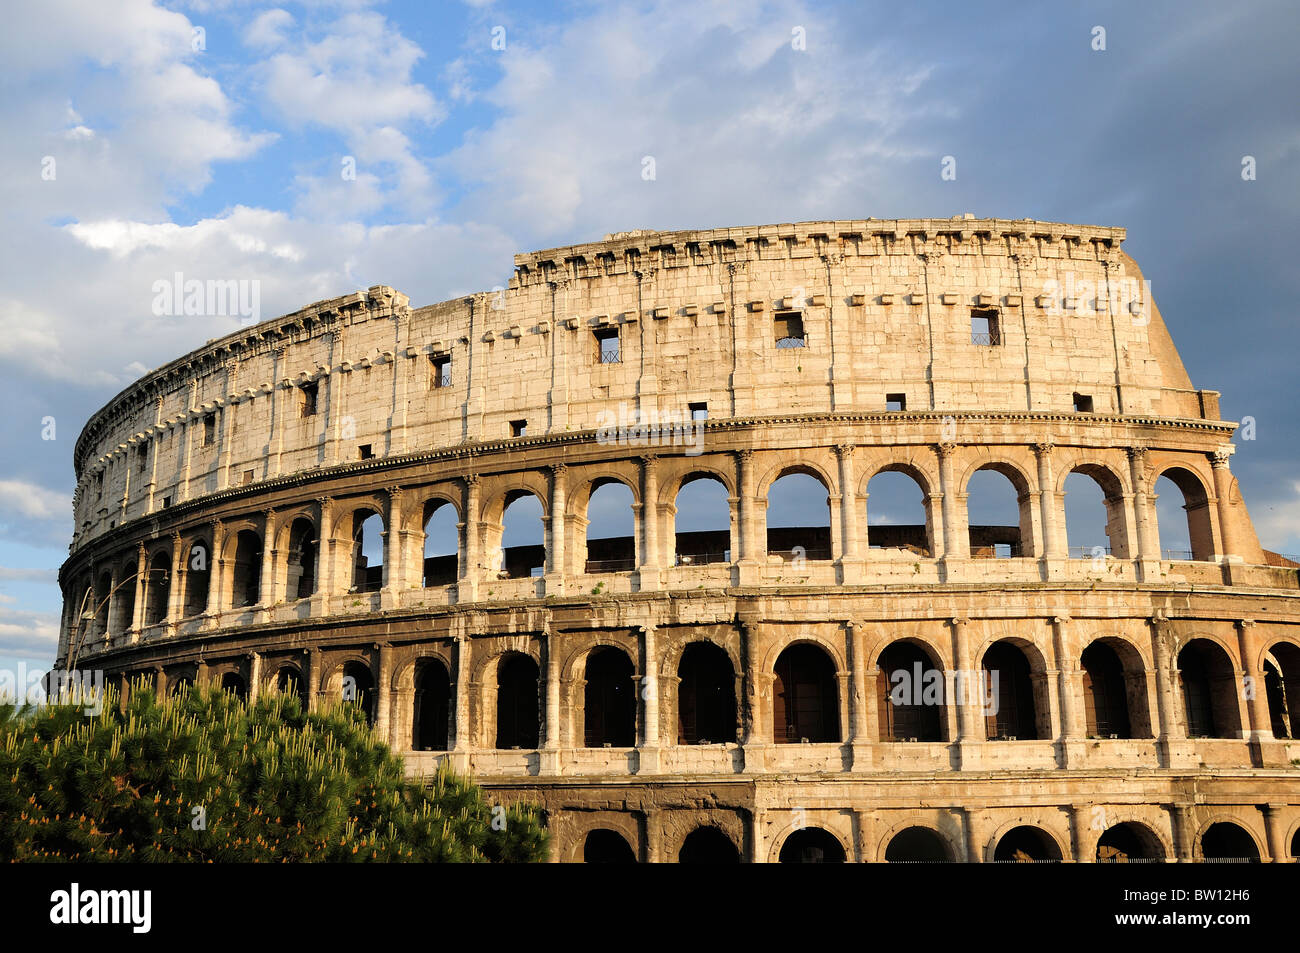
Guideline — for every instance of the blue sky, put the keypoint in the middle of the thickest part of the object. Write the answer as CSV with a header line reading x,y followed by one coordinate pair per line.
x,y
482,129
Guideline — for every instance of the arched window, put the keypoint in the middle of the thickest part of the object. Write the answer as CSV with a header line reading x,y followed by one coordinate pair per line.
x,y
431,711
441,544
1226,841
518,718
1105,693
288,681
611,531
1094,514
702,522
1128,843
246,573
103,599
197,573
708,845
603,846
805,697
523,536
367,551
1282,683
1186,534
896,517
998,523
302,559
917,845
706,696
1209,691
798,518
359,688
234,683
157,588
1026,844
812,845
124,604
910,694
1009,683
609,700
180,685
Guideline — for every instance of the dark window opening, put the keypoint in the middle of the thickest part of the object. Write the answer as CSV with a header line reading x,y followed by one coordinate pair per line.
x,y
1209,691
209,429
302,559
366,451
1013,694
142,457
1082,403
910,695
607,346
167,501
233,683
1104,693
247,478
812,845
604,846
99,485
706,696
609,715
917,845
805,697
1227,841
789,329
518,715
699,411
708,845
289,682
1026,844
441,370
309,394
431,712
984,328
518,428
246,581
895,402
359,688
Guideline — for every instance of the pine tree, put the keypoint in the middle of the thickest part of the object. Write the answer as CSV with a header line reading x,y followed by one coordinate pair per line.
x,y
202,776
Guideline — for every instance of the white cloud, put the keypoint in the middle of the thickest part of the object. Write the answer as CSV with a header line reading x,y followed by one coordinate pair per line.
x,y
267,30
34,502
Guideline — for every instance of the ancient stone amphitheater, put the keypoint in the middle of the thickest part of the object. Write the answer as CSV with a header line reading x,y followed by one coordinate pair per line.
x,y
323,503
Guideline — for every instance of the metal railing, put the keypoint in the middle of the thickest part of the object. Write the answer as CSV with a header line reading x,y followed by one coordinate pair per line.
x,y
791,555
701,559
609,565
792,341
997,551
1087,552
989,338
1177,555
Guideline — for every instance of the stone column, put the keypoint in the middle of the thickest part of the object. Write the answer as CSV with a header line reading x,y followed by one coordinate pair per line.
x,y
176,591
751,554
141,588
861,696
384,692
312,687
266,582
324,556
394,564
555,555
650,558
954,547
254,676
553,740
758,730
967,688
216,571
1072,720
1053,543
850,532
976,836
1223,486
1184,833
463,735
471,541
1148,544
649,754
1171,737
1275,829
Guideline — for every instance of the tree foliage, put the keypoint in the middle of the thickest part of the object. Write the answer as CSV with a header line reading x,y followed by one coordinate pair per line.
x,y
202,776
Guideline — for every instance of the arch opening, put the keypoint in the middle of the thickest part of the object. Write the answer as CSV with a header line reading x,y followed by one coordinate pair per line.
x,y
611,528
603,846
1008,682
431,707
909,694
301,579
702,521
805,697
246,572
1026,844
609,700
1094,514
798,518
288,681
1129,843
518,714
234,683
1106,700
997,514
441,544
358,688
523,537
1282,683
367,551
1228,843
708,845
1185,535
917,845
198,575
158,586
1209,690
706,696
896,513
812,845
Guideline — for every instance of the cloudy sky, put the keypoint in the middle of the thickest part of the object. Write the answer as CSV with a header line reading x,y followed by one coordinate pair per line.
x,y
211,137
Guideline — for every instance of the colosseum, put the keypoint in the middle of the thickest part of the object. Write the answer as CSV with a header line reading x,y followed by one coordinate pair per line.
x,y
403,506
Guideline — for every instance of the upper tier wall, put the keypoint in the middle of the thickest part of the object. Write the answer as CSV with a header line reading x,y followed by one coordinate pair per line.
x,y
885,308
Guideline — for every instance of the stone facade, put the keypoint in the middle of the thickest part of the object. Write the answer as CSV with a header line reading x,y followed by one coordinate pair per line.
x,y
221,499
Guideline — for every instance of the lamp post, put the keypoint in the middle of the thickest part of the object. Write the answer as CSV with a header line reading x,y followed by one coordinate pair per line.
x,y
86,616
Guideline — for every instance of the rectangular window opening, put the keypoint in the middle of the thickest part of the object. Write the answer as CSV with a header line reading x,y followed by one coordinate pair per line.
x,y
1083,403
789,329
367,451
209,429
247,479
895,402
440,371
309,394
699,411
984,328
607,346
167,502
142,457
518,428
